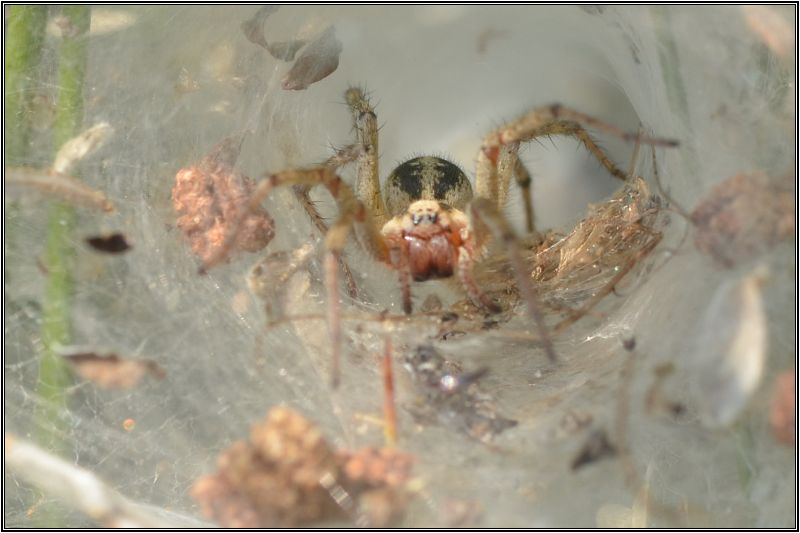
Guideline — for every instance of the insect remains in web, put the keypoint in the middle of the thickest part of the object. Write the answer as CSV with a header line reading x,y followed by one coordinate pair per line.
x,y
429,223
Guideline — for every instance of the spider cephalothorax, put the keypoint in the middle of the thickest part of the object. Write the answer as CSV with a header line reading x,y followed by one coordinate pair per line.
x,y
427,224
425,195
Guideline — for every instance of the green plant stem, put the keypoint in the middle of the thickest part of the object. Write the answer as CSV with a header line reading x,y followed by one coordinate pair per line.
x,y
24,37
25,33
54,377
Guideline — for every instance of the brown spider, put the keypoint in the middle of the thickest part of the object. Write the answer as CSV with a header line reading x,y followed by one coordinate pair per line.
x,y
427,224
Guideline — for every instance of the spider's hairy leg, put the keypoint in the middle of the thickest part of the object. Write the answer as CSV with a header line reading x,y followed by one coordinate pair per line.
x,y
491,176
301,192
478,297
523,177
483,212
365,123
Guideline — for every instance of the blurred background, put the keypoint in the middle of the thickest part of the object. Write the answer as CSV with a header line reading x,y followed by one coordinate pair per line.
x,y
174,81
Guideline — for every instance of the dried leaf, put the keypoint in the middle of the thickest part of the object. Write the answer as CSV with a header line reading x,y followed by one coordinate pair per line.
x,y
77,148
70,190
253,30
112,371
285,50
113,243
318,60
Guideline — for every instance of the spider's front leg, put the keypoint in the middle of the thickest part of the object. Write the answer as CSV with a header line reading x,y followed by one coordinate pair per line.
x,y
498,159
483,214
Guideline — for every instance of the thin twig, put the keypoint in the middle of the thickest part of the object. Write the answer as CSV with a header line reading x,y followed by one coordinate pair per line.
x,y
82,490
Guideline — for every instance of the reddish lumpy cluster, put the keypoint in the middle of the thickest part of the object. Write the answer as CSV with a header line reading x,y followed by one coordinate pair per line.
x,y
211,197
286,474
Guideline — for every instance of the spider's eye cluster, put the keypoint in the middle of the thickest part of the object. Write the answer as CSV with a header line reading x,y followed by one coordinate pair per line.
x,y
424,218
426,178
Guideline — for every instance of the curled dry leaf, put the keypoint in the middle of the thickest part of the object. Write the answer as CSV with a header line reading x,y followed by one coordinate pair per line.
x,y
77,148
113,243
287,474
253,29
318,60
210,199
285,50
59,186
112,371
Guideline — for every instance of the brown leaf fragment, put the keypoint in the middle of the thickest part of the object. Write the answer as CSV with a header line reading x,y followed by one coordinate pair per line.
x,y
318,60
112,371
113,243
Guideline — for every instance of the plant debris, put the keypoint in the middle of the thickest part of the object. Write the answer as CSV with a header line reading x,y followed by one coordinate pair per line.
x,y
111,371
288,475
210,199
743,216
253,29
610,235
318,60
113,243
59,186
77,148
452,397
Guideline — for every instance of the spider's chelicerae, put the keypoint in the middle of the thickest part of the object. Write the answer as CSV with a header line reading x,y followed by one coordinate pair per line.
x,y
429,223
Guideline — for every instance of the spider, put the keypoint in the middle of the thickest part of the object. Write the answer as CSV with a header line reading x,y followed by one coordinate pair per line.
x,y
429,224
